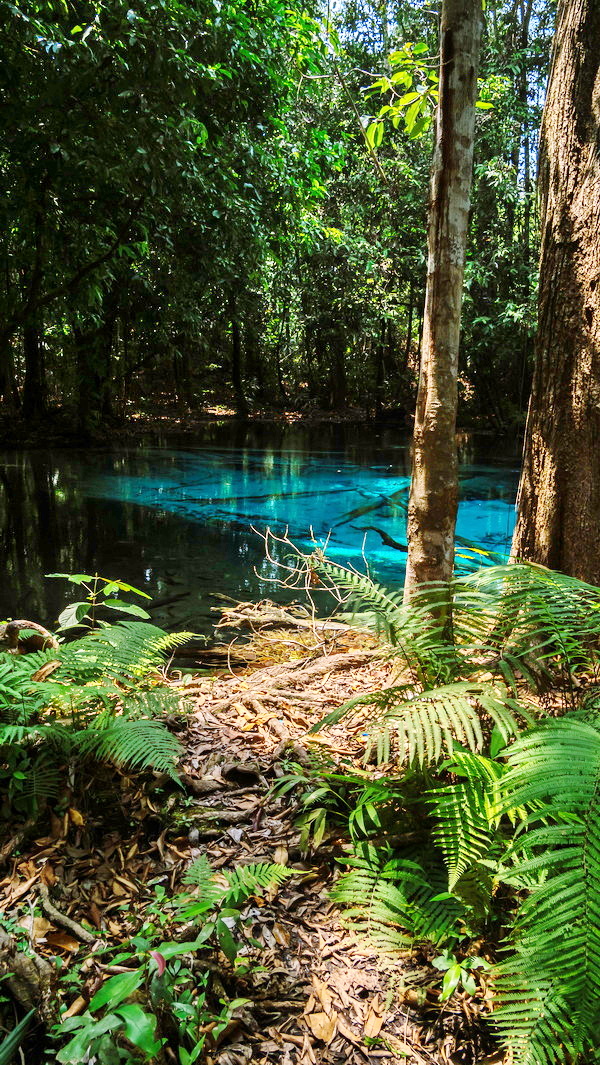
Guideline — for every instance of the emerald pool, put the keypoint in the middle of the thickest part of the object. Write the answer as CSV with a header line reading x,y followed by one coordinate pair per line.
x,y
177,520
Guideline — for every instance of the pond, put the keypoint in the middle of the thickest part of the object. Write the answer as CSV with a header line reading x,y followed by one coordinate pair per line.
x,y
178,521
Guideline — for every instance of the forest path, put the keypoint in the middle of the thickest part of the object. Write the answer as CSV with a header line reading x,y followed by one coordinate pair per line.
x,y
325,997
120,852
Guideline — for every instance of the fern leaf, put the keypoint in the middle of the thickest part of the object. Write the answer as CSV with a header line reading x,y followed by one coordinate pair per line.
x,y
556,770
392,902
136,743
246,880
427,726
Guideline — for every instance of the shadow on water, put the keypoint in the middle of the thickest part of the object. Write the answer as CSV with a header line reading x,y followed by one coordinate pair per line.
x,y
177,521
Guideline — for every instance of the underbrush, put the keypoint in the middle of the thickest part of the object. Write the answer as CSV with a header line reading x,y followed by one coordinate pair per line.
x,y
470,825
474,822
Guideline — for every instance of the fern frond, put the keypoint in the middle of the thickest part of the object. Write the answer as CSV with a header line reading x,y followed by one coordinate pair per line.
x,y
246,880
466,815
426,727
201,875
556,770
392,901
128,649
136,743
240,883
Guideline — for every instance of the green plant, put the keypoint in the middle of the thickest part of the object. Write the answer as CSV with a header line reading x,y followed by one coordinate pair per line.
x,y
506,804
102,593
163,985
365,806
99,697
458,972
396,901
10,1045
548,990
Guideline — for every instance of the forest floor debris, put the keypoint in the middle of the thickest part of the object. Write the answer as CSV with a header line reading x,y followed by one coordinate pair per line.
x,y
319,995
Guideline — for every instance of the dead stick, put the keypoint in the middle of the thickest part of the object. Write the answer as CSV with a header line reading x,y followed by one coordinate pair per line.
x,y
60,918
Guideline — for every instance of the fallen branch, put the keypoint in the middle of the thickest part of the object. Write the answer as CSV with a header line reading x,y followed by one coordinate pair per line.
x,y
60,918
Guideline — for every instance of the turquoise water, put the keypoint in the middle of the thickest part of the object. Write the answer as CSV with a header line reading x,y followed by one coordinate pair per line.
x,y
179,521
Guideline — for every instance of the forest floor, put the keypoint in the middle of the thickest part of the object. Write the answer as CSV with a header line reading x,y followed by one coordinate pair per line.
x,y
321,994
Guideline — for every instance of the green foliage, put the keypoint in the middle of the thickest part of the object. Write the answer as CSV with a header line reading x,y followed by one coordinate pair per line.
x,y
513,808
11,1043
549,989
458,972
394,901
467,814
363,804
101,593
160,982
244,881
100,700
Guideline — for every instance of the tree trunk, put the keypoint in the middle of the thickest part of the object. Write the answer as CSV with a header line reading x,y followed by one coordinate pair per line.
x,y
338,384
94,365
9,394
35,392
559,495
241,404
434,487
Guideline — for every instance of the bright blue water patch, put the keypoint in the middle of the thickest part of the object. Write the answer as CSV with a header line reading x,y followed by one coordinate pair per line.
x,y
178,522
320,497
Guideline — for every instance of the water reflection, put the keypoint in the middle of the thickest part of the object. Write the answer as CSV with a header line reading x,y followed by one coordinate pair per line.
x,y
177,521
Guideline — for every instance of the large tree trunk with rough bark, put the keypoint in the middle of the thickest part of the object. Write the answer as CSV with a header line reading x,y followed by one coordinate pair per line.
x,y
559,496
434,487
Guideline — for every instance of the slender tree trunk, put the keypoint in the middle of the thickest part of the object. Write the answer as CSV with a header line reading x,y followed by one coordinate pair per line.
x,y
559,495
93,348
236,361
35,391
434,487
9,394
408,344
338,384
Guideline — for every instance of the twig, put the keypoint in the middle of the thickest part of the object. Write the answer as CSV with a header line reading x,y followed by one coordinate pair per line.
x,y
60,918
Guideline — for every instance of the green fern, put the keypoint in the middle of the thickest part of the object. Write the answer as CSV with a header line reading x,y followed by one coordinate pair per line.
x,y
246,880
242,882
100,702
549,991
515,621
424,729
129,649
211,890
393,901
466,814
133,743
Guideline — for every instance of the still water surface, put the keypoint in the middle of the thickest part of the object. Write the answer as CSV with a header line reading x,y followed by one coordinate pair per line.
x,y
177,521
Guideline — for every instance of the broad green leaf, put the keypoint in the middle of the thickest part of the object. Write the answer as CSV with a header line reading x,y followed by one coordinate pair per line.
x,y
73,578
75,1051
12,1042
408,98
117,989
72,615
126,608
140,1028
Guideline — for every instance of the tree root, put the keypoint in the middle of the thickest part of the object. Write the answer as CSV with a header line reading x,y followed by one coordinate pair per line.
x,y
60,918
28,977
271,680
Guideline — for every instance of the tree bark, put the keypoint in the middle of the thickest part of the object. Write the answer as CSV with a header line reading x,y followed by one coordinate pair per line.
x,y
559,495
35,389
241,405
434,487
